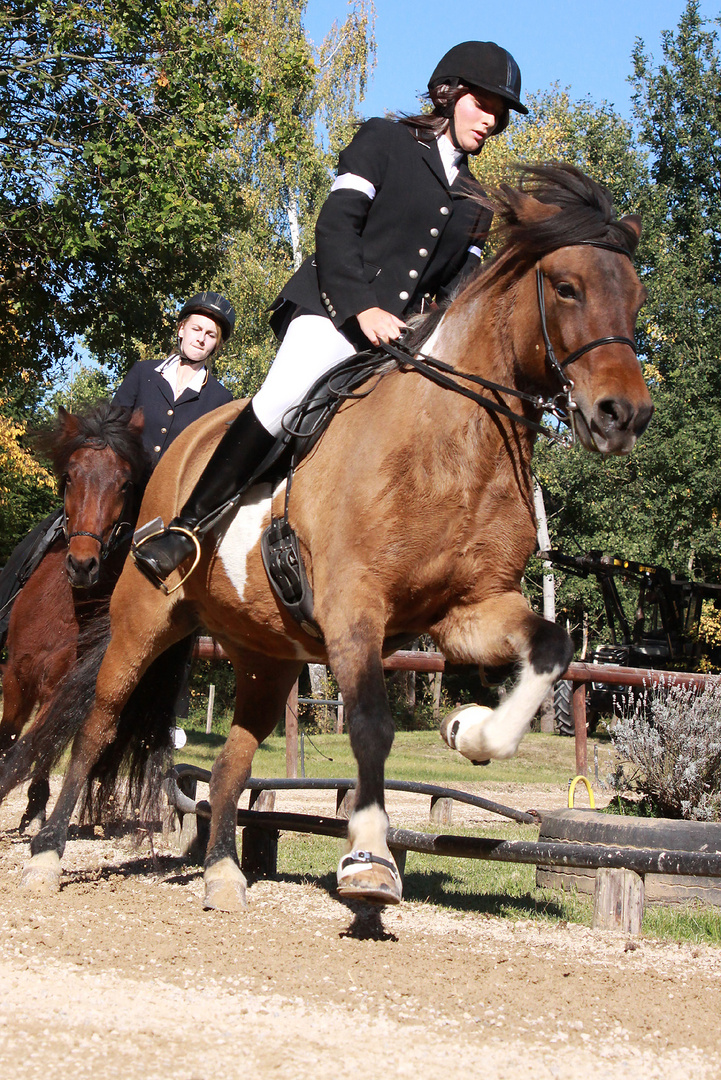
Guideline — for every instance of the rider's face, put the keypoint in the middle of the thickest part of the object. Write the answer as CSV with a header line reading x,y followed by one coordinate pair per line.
x,y
199,337
475,117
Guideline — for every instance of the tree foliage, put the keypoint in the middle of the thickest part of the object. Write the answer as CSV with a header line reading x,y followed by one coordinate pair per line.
x,y
309,99
114,191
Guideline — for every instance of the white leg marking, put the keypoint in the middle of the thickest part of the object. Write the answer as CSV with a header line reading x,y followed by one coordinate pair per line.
x,y
483,733
42,873
225,886
367,829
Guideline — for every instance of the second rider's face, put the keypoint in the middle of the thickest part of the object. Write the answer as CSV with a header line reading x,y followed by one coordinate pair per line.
x,y
198,337
475,117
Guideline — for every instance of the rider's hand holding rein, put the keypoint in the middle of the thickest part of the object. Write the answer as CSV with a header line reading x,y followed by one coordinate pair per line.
x,y
379,325
397,232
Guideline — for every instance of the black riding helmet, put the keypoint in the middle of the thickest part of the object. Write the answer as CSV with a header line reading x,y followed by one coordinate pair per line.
x,y
215,307
487,66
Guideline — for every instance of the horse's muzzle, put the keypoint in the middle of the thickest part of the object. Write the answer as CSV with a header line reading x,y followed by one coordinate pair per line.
x,y
82,573
614,425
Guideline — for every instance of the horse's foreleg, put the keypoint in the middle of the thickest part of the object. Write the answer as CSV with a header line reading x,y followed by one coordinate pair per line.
x,y
126,659
368,871
492,633
35,813
262,688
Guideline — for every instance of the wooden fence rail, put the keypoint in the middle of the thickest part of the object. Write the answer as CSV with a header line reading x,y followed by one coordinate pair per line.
x,y
580,674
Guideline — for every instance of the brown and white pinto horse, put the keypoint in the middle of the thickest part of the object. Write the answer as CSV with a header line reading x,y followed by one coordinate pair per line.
x,y
415,514
102,469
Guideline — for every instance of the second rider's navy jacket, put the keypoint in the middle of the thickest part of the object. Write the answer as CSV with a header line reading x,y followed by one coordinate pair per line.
x,y
145,388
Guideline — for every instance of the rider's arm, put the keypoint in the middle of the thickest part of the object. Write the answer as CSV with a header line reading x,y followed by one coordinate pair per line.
x,y
342,273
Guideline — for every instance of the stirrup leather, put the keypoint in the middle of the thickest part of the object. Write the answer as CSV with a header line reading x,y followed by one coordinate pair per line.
x,y
137,544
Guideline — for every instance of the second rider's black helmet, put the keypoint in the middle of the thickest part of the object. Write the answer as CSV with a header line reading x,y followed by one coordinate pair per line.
x,y
215,307
485,65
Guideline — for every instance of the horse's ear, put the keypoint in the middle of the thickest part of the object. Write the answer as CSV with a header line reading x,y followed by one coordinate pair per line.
x,y
136,422
528,210
632,222
68,424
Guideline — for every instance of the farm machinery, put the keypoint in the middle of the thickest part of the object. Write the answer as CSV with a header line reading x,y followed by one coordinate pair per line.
x,y
663,632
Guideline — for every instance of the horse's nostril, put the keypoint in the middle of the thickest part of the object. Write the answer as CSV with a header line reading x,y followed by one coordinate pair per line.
x,y
614,413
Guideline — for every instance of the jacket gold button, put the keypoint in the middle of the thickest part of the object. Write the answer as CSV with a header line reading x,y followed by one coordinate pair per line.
x,y
170,412
156,449
163,431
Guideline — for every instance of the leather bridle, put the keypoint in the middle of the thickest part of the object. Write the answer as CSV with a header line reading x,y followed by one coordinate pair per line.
x,y
561,405
119,531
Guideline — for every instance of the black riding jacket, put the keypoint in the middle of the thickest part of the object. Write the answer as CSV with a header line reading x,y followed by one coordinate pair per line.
x,y
407,237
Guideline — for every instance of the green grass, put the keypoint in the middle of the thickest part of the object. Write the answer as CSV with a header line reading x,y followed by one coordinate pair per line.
x,y
416,755
462,885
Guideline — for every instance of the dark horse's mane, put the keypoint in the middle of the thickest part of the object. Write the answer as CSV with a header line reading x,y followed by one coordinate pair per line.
x,y
103,425
586,213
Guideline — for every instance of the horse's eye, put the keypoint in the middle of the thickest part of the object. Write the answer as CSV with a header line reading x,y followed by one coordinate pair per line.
x,y
566,291
66,480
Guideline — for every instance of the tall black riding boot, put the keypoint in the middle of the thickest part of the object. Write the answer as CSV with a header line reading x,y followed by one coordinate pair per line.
x,y
229,471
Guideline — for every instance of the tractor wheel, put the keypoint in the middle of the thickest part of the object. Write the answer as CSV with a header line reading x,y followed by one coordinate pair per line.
x,y
563,707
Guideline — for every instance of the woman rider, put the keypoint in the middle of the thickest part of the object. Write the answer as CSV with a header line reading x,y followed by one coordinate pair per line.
x,y
397,231
171,395
181,388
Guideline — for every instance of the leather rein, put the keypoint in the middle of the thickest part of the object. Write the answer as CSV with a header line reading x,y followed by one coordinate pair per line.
x,y
561,405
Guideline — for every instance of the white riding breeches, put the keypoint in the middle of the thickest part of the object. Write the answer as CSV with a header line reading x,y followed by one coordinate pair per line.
x,y
311,346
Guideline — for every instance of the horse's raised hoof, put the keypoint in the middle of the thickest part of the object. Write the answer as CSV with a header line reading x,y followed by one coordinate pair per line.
x,y
457,723
224,887
41,876
364,876
31,825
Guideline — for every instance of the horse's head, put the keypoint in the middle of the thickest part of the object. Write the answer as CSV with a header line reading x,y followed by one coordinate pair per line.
x,y
576,296
592,296
102,468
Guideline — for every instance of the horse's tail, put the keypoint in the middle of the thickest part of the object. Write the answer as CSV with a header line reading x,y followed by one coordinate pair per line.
x,y
130,772
131,769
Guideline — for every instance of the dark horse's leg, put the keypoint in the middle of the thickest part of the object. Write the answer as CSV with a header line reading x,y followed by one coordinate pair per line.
x,y
262,688
368,871
131,650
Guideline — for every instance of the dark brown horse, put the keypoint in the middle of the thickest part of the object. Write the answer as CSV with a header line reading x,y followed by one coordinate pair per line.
x,y
102,469
414,513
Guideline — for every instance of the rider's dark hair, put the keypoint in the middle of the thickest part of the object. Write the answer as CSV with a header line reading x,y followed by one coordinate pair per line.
x,y
442,99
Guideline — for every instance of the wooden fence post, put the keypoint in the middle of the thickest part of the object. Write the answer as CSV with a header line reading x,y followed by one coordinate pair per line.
x,y
291,733
579,724
211,703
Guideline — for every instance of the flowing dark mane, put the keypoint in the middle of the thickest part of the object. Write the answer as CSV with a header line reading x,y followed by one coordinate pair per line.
x,y
587,211
104,425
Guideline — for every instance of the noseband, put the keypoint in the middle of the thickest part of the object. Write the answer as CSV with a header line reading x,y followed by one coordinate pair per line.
x,y
569,406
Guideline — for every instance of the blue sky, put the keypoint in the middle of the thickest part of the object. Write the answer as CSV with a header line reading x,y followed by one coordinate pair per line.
x,y
585,46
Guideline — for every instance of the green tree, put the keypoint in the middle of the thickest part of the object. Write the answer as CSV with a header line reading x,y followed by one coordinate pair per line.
x,y
661,504
308,106
114,190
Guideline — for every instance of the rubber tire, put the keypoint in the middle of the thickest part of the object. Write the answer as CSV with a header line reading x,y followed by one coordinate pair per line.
x,y
563,707
615,830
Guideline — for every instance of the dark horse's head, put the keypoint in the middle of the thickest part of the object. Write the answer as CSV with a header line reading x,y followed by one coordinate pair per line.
x,y
102,469
566,255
